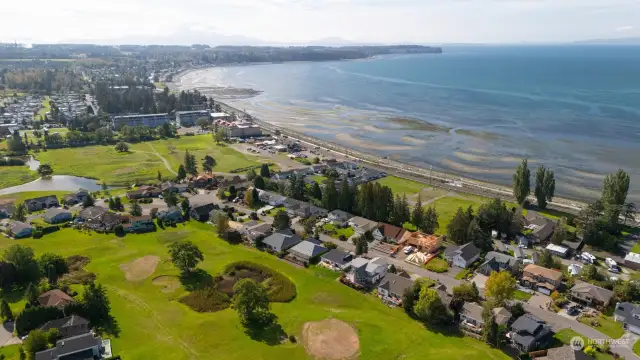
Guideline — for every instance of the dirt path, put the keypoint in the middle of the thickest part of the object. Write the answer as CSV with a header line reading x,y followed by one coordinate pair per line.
x,y
156,153
142,305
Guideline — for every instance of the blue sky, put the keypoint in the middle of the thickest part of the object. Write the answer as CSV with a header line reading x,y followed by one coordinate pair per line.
x,y
301,21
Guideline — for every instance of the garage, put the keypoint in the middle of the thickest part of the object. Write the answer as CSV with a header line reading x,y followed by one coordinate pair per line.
x,y
544,290
633,329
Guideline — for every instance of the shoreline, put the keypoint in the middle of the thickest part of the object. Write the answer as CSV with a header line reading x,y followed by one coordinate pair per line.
x,y
450,181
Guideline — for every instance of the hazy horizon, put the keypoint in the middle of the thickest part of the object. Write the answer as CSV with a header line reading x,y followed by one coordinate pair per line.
x,y
286,22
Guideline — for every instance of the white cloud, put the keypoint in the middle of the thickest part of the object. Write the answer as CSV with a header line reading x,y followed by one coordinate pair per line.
x,y
298,21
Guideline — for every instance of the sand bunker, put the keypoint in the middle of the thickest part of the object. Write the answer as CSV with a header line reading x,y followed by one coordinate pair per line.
x,y
330,340
141,268
168,283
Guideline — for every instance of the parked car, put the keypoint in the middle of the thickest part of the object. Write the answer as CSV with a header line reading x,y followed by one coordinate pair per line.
x,y
573,310
610,263
614,269
588,258
408,250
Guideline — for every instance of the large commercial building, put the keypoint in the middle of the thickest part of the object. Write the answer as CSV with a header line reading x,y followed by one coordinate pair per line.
x,y
151,120
220,116
188,118
239,129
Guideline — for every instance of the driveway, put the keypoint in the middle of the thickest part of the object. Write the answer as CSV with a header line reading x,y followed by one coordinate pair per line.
x,y
6,335
538,300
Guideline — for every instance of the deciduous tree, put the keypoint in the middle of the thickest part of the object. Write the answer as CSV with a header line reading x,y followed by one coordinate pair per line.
x,y
221,219
281,220
521,182
20,214
122,147
545,186
135,209
430,309
52,266
251,302
500,287
330,196
45,170
208,163
185,255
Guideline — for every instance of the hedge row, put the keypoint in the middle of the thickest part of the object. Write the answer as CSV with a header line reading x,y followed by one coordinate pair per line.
x,y
11,162
208,299
279,287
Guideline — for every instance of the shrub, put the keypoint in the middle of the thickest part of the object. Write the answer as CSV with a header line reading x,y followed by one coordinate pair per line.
x,y
437,265
208,299
279,287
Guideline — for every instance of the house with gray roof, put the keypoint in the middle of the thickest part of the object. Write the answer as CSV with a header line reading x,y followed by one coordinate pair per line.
x,y
528,333
41,203
91,213
361,225
85,346
339,217
367,272
6,210
56,216
463,255
307,250
495,261
69,326
258,230
170,215
565,352
20,230
336,259
590,294
271,198
629,315
540,226
392,287
281,240
471,317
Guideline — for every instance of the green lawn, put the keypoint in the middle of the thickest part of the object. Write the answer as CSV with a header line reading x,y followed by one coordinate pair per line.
x,y
402,186
318,178
636,348
447,207
564,336
347,232
154,325
200,145
437,265
61,131
636,248
46,107
608,326
16,175
521,295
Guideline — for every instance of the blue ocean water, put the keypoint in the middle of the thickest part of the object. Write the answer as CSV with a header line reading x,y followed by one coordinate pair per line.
x,y
575,109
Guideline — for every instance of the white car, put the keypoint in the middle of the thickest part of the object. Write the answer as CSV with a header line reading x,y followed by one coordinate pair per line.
x,y
610,262
408,250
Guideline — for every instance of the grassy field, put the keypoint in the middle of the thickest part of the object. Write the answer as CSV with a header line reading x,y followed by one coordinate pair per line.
x,y
447,207
16,175
347,232
608,326
46,107
636,348
200,145
154,325
22,196
402,186
60,131
104,163
521,295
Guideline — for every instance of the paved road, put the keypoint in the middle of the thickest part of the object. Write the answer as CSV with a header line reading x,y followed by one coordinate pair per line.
x,y
6,335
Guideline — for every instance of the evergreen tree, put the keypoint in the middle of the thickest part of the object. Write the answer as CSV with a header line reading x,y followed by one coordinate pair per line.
x,y
458,227
430,223
135,209
258,182
186,207
31,294
190,163
614,195
330,196
417,216
182,173
264,171
251,174
345,197
479,238
362,246
20,214
281,221
87,201
521,182
159,177
316,192
208,163
490,328
117,203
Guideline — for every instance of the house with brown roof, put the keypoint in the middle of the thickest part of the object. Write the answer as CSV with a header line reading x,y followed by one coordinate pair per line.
x,y
590,294
144,191
56,298
138,224
423,242
541,279
389,233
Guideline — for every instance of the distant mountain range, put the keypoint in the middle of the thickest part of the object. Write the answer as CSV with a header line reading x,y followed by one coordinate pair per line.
x,y
618,41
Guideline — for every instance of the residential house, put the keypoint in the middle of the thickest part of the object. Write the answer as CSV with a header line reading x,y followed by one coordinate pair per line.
x,y
90,213
281,240
6,210
632,261
423,242
336,259
339,218
203,181
590,294
41,203
392,287
444,296
261,230
471,317
558,250
75,198
501,315
85,346
284,175
57,215
172,187
20,230
388,233
201,207
366,272
69,326
297,208
528,333
565,352
55,298
139,224
143,192
629,315
463,255
541,279
271,198
361,225
170,215
306,251
495,261
541,227
319,168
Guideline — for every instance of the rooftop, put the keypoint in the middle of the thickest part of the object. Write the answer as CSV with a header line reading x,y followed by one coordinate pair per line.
x,y
544,272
